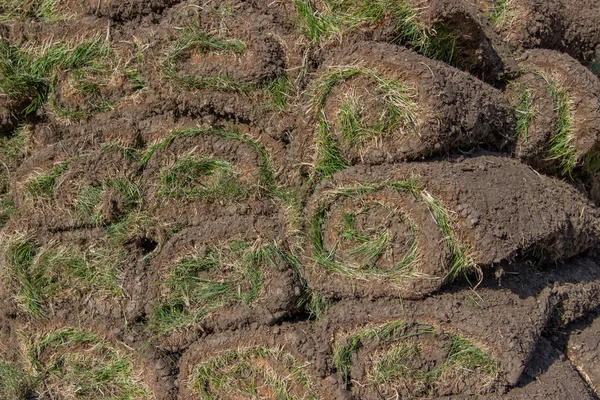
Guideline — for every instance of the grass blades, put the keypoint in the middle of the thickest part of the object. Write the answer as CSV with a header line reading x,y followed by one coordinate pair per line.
x,y
40,74
333,19
560,144
31,73
329,158
501,14
460,264
524,110
399,110
560,147
205,178
368,247
365,247
48,11
256,372
79,364
42,275
16,383
342,353
280,91
191,41
220,179
205,282
41,186
395,364
90,201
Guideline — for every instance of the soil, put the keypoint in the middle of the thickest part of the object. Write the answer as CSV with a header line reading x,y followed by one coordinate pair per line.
x,y
446,225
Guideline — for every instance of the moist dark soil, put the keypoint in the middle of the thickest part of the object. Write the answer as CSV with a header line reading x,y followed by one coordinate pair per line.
x,y
444,254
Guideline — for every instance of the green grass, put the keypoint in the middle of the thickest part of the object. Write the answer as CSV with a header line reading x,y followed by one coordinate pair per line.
x,y
364,247
41,185
460,264
398,110
501,13
42,275
89,201
219,176
367,246
202,178
14,148
220,276
394,365
16,383
337,18
31,73
193,39
280,90
560,146
48,11
257,372
525,112
78,364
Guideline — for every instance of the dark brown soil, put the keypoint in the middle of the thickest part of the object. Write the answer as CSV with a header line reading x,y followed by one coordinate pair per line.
x,y
491,226
465,114
437,230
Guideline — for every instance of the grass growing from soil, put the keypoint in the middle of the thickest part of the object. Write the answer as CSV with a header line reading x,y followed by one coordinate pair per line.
x,y
256,372
398,110
460,264
48,11
207,178
560,147
333,19
41,275
202,283
191,41
394,365
90,199
78,364
204,178
367,247
41,185
501,14
525,112
16,383
33,74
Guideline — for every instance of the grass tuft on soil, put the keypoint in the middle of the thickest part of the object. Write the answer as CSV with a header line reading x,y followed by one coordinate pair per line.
x,y
41,185
501,13
208,178
218,276
32,73
399,110
193,40
366,247
48,11
255,372
78,364
560,146
332,19
91,206
524,110
41,275
398,360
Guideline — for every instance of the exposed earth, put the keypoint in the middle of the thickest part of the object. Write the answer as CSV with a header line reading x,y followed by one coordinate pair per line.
x,y
299,199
